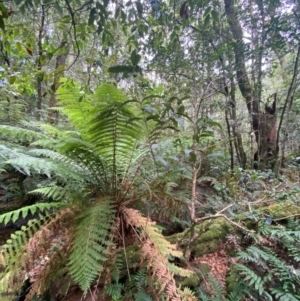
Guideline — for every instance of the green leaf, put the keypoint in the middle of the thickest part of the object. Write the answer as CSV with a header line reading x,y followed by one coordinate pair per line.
x,y
58,8
139,7
215,15
193,157
122,68
135,57
3,10
214,123
2,25
12,79
207,11
206,21
91,241
92,16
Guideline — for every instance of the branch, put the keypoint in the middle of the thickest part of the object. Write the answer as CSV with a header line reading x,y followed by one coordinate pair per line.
x,y
286,217
288,102
75,33
82,7
201,219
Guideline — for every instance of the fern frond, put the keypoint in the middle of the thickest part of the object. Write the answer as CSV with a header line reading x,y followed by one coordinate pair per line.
x,y
9,152
108,122
284,295
50,244
91,242
155,250
114,130
23,212
58,193
251,277
23,247
76,104
188,295
141,295
20,134
88,158
114,290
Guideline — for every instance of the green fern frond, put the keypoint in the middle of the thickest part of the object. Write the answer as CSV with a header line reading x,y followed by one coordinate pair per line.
x,y
117,266
188,295
108,123
142,296
114,290
251,277
253,254
64,169
115,128
13,249
88,158
76,103
23,212
284,295
58,193
91,242
20,134
9,152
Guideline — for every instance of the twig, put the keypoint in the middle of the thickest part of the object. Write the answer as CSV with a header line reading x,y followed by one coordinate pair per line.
x,y
286,217
224,209
201,219
75,33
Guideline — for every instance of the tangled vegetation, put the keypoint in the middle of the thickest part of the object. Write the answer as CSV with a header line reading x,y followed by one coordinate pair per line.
x,y
149,151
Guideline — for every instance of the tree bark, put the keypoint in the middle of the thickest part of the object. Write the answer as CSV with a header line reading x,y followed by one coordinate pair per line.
x,y
39,66
263,124
59,71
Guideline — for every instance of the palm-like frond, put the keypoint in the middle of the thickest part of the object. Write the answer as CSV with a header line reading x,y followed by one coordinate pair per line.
x,y
92,239
110,124
20,134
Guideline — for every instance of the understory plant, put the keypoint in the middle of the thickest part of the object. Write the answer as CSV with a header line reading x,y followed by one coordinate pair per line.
x,y
271,265
90,219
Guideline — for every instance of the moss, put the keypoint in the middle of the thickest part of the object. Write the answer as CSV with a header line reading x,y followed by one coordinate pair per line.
x,y
210,234
194,280
281,210
202,248
175,238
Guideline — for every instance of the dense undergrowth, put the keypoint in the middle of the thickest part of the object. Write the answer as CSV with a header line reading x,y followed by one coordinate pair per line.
x,y
103,194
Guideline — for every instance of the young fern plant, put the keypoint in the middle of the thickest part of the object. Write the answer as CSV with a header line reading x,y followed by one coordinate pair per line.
x,y
271,268
92,176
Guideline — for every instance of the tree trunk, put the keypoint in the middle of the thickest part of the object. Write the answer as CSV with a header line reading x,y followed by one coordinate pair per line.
x,y
238,141
263,125
59,71
39,67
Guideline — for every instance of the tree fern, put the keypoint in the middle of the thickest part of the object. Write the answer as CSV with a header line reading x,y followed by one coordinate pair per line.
x,y
89,172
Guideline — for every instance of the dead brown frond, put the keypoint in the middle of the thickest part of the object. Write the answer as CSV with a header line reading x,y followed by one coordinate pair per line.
x,y
46,252
154,251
